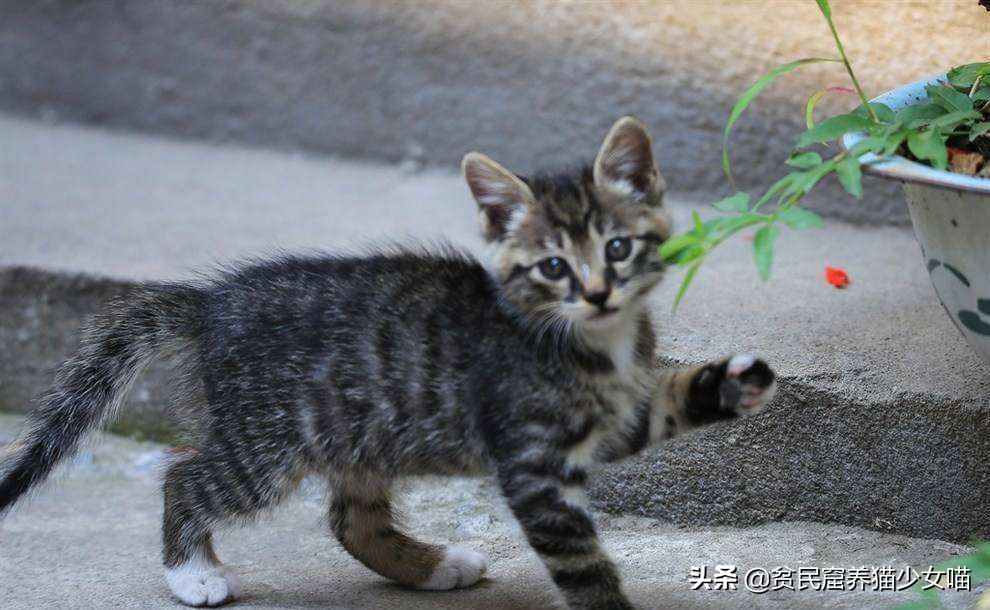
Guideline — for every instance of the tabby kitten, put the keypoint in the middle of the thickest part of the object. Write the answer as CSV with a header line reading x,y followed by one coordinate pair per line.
x,y
367,369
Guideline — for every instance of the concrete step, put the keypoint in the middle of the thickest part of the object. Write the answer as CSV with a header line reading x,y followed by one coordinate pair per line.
x,y
91,540
882,420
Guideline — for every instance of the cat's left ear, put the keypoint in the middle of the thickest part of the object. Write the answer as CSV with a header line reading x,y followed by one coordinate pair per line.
x,y
625,163
502,197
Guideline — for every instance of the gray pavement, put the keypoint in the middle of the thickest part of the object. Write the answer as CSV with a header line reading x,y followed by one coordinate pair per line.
x,y
531,82
89,540
882,420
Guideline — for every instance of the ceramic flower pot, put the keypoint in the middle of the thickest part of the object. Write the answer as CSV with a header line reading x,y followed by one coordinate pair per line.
x,y
951,217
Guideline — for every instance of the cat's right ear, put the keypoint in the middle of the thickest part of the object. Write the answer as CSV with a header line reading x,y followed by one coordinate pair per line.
x,y
625,163
501,196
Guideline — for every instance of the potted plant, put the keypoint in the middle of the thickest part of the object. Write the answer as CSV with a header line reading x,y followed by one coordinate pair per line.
x,y
932,135
950,210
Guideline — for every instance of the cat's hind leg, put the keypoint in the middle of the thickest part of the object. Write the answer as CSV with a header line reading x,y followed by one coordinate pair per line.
x,y
362,519
202,489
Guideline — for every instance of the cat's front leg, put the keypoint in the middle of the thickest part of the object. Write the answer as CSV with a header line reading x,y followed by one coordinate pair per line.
x,y
737,386
547,497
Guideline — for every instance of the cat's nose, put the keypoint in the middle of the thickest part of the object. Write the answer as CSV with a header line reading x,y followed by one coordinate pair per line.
x,y
597,298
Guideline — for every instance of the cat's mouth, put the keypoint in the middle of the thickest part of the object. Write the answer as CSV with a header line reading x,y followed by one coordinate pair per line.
x,y
604,312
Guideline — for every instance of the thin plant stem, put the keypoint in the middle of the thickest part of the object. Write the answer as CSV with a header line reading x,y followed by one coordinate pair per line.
x,y
852,75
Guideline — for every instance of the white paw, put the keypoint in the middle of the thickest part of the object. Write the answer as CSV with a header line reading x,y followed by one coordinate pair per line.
x,y
198,582
756,382
458,568
739,363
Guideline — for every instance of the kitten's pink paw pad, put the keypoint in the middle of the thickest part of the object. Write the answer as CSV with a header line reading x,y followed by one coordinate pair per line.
x,y
459,568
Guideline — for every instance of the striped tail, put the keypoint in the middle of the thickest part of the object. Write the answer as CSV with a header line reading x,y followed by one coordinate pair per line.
x,y
89,387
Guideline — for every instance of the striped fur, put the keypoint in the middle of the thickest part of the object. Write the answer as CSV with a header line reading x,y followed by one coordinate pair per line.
x,y
368,369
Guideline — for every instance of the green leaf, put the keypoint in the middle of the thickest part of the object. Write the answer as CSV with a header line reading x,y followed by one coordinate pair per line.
x,y
947,98
893,141
850,176
800,218
980,570
981,95
803,182
964,76
883,112
978,129
675,245
949,121
714,225
870,144
928,146
825,8
833,128
682,249
885,132
809,108
763,250
920,112
699,227
750,94
691,253
735,224
978,563
805,160
734,203
685,283
776,188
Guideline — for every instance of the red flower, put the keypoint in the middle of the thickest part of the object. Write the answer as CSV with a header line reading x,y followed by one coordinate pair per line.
x,y
836,276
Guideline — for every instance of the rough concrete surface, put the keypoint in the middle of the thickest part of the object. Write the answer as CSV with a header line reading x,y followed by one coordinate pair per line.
x,y
532,82
90,540
883,418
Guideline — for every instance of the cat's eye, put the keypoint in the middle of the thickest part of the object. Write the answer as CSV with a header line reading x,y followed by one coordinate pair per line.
x,y
618,249
553,268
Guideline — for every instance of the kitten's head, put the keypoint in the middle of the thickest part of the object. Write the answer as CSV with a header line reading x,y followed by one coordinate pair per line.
x,y
577,248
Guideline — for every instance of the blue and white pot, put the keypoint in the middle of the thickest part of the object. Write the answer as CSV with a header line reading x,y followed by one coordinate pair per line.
x,y
951,217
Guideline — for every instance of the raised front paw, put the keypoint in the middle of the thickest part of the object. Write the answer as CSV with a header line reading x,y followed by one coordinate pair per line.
x,y
748,386
740,385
